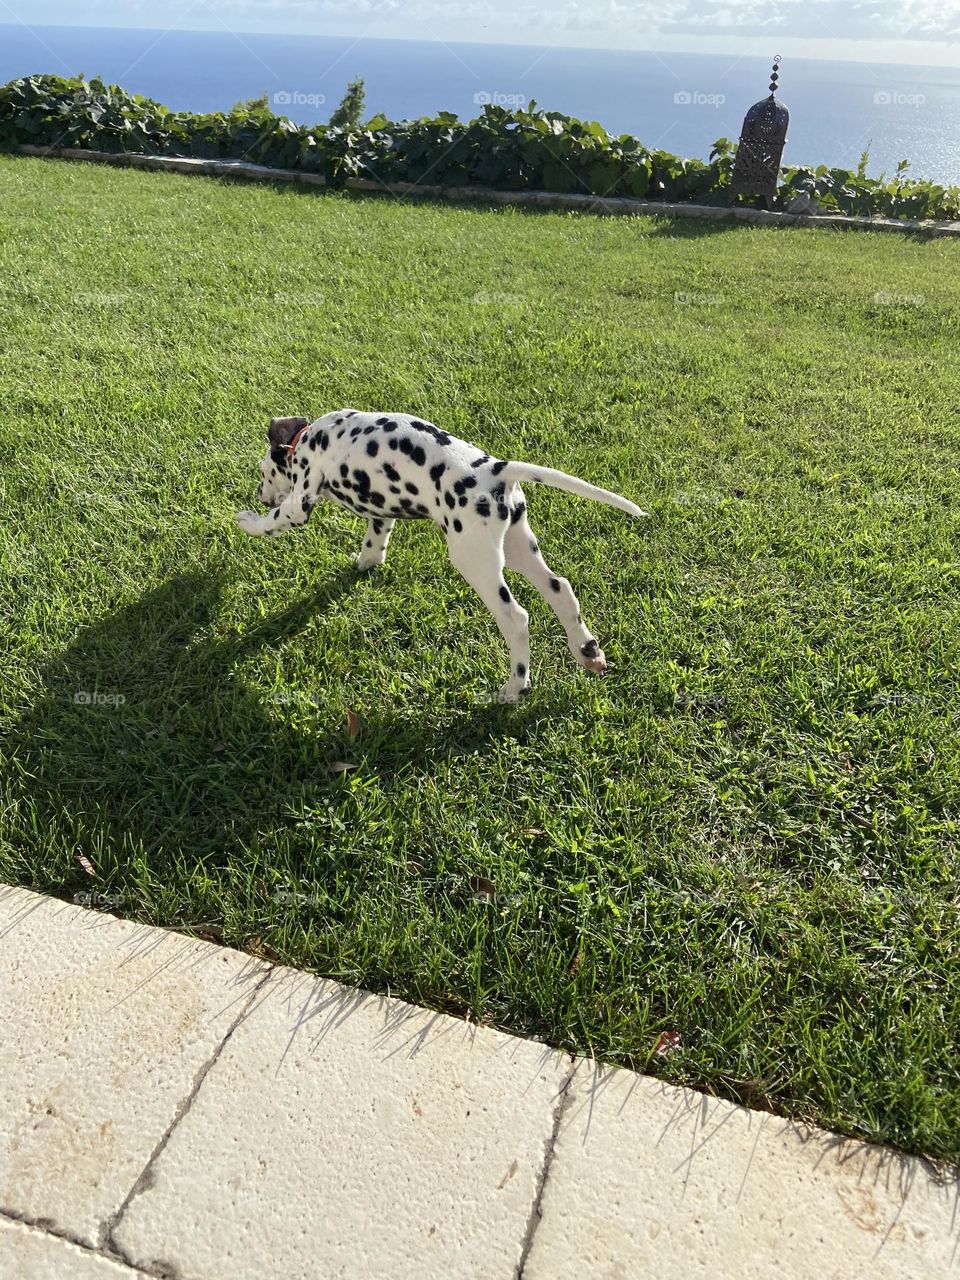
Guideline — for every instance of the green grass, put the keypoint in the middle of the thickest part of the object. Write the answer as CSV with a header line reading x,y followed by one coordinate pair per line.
x,y
746,833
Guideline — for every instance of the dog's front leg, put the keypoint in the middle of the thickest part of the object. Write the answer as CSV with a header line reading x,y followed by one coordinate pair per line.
x,y
374,549
293,511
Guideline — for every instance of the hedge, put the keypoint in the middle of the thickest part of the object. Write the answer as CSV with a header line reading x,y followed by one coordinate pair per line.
x,y
507,150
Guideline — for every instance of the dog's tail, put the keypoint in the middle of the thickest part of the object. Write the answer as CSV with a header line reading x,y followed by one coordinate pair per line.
x,y
524,471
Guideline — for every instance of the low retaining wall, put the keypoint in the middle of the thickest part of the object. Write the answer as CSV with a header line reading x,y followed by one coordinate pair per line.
x,y
615,205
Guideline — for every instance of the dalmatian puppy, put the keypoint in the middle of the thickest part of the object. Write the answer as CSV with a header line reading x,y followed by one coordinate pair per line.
x,y
392,466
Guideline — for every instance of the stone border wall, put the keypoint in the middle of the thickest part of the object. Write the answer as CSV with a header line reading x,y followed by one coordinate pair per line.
x,y
614,205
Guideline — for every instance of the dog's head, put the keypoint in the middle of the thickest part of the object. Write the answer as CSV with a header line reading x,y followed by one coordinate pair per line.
x,y
275,478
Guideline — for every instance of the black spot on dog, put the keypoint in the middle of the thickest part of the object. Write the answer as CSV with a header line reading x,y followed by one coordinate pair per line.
x,y
436,472
352,413
463,499
468,482
378,526
391,426
478,462
368,431
554,584
344,470
394,488
354,432
497,467
411,488
521,669
377,499
306,504
369,543
418,456
422,509
337,422
457,525
382,422
373,448
483,506
362,479
391,473
504,595
535,547
591,649
517,512
441,437
502,510
393,443
406,445
449,500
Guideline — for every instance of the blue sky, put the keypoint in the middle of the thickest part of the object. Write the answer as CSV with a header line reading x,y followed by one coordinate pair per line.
x,y
915,31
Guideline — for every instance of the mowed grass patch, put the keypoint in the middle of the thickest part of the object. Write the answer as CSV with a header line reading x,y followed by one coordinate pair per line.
x,y
745,834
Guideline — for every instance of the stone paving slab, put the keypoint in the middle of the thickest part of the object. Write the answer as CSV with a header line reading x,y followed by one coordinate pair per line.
x,y
29,1254
105,1026
175,1110
650,1180
341,1134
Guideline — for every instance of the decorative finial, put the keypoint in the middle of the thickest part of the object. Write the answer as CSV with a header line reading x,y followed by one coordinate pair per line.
x,y
775,74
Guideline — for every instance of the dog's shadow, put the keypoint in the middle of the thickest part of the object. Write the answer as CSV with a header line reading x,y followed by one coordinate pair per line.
x,y
147,747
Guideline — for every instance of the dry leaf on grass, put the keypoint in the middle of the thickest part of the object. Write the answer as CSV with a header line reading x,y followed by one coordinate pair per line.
x,y
86,864
353,723
482,888
667,1042
262,950
340,766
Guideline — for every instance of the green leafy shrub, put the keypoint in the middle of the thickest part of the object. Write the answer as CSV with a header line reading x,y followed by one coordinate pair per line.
x,y
524,150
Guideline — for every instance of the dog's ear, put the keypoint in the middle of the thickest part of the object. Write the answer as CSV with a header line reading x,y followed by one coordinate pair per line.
x,y
282,430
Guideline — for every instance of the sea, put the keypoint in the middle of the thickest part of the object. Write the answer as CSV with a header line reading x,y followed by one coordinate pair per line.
x,y
679,102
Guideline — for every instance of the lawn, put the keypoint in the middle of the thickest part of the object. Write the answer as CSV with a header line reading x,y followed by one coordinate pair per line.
x,y
745,834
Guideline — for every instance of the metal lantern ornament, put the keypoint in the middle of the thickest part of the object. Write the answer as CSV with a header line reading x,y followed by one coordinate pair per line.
x,y
762,138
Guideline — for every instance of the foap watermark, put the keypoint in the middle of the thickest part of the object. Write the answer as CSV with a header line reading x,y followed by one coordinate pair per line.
x,y
297,98
683,298
887,299
86,898
494,98
288,298
894,98
294,898
97,698
287,698
696,98
493,298
98,299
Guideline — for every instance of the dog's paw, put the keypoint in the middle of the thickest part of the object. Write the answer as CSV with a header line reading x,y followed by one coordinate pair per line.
x,y
592,658
363,561
249,522
512,692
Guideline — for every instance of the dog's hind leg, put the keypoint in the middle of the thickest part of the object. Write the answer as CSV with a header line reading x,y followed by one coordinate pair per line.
x,y
523,554
480,560
374,549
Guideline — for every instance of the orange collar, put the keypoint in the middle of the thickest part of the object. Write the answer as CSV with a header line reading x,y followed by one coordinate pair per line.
x,y
291,447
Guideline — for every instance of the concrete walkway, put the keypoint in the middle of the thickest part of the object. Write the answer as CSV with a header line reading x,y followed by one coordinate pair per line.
x,y
171,1108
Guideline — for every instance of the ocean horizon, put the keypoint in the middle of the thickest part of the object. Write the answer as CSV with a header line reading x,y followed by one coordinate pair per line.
x,y
678,102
